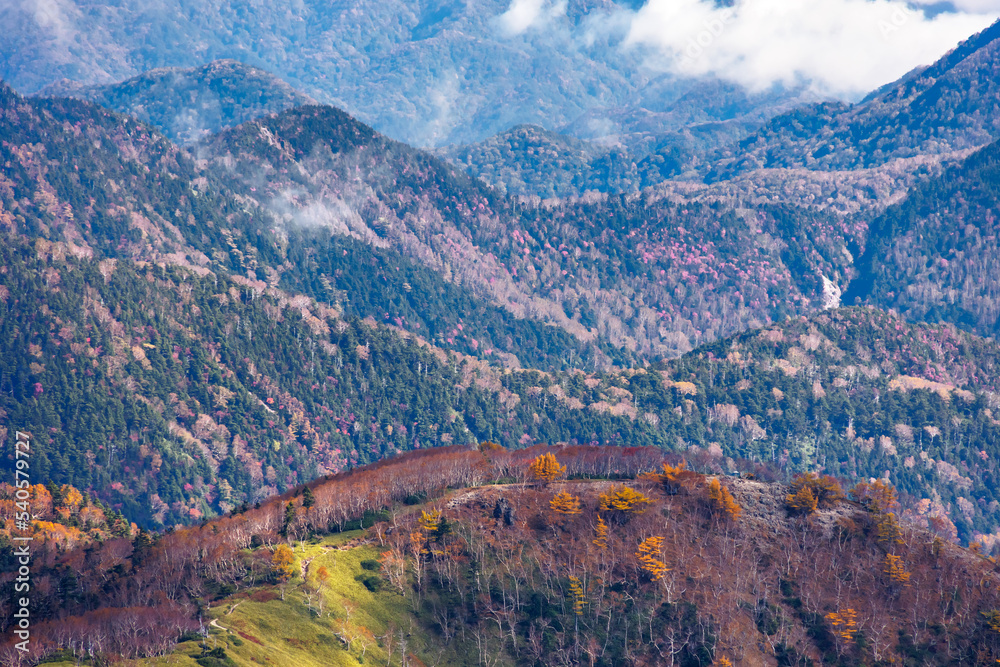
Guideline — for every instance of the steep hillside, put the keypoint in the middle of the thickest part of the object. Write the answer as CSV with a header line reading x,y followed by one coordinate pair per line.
x,y
187,104
604,567
529,161
113,188
613,271
172,395
280,200
934,255
162,269
628,149
949,106
855,393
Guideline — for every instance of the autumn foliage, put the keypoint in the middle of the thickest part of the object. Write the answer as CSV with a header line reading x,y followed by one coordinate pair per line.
x,y
809,492
893,567
722,500
623,502
802,501
283,562
520,589
577,595
601,534
845,623
546,468
878,496
648,555
565,503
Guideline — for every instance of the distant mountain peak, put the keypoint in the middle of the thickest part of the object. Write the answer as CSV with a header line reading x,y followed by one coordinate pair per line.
x,y
187,104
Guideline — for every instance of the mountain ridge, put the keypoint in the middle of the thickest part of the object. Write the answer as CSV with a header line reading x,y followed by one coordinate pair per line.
x,y
936,109
186,104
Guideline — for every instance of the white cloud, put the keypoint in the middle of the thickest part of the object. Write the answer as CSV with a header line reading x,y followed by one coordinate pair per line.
x,y
524,14
50,15
843,47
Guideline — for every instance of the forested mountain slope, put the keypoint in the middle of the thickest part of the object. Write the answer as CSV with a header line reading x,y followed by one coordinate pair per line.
x,y
113,188
934,256
186,104
650,273
623,149
173,395
117,236
951,105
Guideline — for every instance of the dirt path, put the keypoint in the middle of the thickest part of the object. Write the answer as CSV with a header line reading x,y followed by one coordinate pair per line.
x,y
215,624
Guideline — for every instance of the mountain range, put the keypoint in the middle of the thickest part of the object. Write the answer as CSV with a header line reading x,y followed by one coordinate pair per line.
x,y
235,316
429,73
301,204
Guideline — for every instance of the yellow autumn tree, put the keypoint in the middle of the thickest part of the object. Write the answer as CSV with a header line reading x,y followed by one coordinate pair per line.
x,y
489,447
564,503
71,497
826,490
802,501
992,619
722,500
283,562
576,594
545,468
889,531
893,566
430,522
878,497
647,554
845,623
602,533
623,502
670,478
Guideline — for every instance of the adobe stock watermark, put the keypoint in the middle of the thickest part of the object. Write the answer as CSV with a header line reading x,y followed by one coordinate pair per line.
x,y
899,17
22,544
712,29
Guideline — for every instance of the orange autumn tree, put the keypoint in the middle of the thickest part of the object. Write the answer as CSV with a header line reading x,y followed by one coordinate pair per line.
x,y
881,501
670,478
802,501
65,537
283,562
889,531
545,468
894,568
722,500
845,623
878,497
809,492
601,541
647,554
564,503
